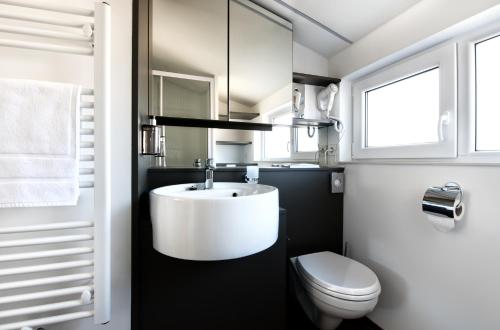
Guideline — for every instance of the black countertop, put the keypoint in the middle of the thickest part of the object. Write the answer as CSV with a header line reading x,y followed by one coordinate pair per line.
x,y
239,169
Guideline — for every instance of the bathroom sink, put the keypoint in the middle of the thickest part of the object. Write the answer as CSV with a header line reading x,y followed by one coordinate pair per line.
x,y
232,220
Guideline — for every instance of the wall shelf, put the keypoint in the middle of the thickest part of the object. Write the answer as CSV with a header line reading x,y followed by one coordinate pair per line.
x,y
298,122
233,143
240,115
238,125
211,123
301,122
309,79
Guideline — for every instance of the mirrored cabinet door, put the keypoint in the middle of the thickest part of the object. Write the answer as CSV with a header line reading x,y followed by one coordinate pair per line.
x,y
260,63
189,58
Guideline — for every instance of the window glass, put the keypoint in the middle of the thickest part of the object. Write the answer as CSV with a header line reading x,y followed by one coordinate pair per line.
x,y
277,142
405,112
305,142
487,95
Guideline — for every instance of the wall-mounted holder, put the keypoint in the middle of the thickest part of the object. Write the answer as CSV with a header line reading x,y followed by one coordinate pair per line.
x,y
252,175
150,144
444,205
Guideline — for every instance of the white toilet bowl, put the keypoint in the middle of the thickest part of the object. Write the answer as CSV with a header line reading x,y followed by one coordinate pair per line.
x,y
331,288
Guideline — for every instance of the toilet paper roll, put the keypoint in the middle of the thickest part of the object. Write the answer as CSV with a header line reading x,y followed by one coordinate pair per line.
x,y
444,223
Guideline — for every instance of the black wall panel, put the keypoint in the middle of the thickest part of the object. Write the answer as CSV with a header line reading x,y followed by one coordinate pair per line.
x,y
314,215
246,293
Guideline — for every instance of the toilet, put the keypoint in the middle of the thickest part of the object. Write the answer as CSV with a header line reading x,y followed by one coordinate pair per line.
x,y
330,288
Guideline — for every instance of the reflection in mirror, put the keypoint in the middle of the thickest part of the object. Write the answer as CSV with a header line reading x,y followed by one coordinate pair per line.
x,y
189,62
282,144
260,65
234,147
189,50
185,144
180,95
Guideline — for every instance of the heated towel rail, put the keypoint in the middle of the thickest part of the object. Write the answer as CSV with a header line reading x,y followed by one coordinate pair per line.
x,y
33,291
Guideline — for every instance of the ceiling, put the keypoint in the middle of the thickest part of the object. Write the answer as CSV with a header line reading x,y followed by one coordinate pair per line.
x,y
328,26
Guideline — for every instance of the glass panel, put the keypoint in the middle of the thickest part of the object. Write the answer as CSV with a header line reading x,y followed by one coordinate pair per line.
x,y
260,51
185,144
487,101
404,112
185,98
189,37
233,146
277,142
306,143
155,95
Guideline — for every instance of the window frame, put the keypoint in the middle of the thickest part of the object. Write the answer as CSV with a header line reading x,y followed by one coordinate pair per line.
x,y
293,146
270,117
303,155
467,95
444,57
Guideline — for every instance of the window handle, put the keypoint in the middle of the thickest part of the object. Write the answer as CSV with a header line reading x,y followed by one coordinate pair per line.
x,y
288,146
444,120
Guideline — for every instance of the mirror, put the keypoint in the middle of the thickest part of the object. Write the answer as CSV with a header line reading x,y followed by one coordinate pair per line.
x,y
189,63
218,59
260,62
189,57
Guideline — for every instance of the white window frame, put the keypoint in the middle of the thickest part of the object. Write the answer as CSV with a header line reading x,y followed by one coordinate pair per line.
x,y
214,112
277,112
303,155
467,95
444,57
294,154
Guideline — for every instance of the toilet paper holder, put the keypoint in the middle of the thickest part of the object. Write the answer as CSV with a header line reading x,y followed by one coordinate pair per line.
x,y
445,201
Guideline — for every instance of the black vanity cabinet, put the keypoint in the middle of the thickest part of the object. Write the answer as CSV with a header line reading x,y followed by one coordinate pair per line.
x,y
246,294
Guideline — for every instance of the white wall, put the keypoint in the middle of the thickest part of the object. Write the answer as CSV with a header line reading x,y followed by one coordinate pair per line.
x,y
77,69
306,60
430,280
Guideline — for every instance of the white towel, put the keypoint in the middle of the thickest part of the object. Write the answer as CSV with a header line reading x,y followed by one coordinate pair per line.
x,y
39,143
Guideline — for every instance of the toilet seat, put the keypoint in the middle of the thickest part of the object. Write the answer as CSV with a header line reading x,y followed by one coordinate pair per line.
x,y
338,276
334,294
348,306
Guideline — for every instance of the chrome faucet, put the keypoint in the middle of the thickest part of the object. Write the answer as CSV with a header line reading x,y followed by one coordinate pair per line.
x,y
209,173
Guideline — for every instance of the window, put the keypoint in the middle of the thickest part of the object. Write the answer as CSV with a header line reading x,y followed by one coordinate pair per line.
x,y
307,139
404,112
487,70
285,143
277,142
409,109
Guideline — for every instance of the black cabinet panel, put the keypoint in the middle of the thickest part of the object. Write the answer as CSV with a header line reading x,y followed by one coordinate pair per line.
x,y
246,293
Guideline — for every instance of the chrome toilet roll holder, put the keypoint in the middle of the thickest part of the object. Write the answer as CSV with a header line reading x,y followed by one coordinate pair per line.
x,y
453,186
444,205
445,201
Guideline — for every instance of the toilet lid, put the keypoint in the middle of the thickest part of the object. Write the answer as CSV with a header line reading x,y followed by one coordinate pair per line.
x,y
339,274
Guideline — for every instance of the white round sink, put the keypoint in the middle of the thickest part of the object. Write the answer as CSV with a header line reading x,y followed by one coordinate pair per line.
x,y
232,220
